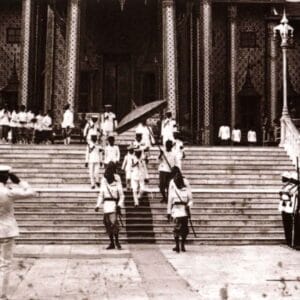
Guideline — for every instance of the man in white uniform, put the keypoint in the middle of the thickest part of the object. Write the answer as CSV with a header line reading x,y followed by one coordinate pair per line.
x,y
92,127
112,197
8,225
168,126
111,152
127,165
224,135
139,175
4,122
108,121
93,160
178,148
67,124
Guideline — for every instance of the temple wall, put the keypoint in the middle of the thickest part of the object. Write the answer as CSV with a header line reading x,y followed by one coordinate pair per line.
x,y
10,17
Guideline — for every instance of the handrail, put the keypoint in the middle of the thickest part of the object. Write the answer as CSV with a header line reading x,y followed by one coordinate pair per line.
x,y
290,138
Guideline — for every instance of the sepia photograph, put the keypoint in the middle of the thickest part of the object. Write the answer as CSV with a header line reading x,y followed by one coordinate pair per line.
x,y
149,149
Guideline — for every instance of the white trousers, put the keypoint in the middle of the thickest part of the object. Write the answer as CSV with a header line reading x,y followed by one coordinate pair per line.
x,y
6,256
138,187
94,169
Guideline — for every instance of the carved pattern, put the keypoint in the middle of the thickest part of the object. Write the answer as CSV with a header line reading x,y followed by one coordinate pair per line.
x,y
8,52
169,49
207,52
25,50
294,61
72,50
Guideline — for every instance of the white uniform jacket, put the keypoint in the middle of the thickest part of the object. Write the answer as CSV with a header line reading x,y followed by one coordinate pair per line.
x,y
168,127
147,135
39,123
94,153
111,153
252,136
47,123
30,116
109,191
68,119
236,135
178,149
127,163
108,122
178,199
139,169
14,121
167,161
8,224
4,117
224,133
90,129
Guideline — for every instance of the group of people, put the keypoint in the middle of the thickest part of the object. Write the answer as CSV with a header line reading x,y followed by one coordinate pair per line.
x,y
173,186
234,136
22,126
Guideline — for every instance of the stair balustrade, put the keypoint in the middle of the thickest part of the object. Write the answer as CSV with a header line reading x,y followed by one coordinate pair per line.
x,y
290,138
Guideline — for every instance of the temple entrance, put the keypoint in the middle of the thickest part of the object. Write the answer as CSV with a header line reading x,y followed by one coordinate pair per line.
x,y
119,56
117,83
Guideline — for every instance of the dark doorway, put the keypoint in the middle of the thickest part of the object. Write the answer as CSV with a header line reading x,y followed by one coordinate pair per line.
x,y
117,83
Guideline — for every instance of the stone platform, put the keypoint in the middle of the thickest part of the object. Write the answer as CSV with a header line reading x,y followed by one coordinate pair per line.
x,y
70,272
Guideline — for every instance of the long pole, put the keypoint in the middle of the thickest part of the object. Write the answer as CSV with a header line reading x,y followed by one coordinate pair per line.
x,y
285,111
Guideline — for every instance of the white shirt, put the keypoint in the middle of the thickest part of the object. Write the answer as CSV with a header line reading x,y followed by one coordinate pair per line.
x,y
111,153
178,199
68,119
4,117
178,148
46,123
224,132
14,121
127,162
93,153
29,117
166,165
236,135
251,136
8,224
147,134
39,123
139,169
167,128
113,190
22,117
108,122
90,129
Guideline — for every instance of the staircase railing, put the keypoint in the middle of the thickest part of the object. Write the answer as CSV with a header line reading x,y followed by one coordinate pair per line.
x,y
290,138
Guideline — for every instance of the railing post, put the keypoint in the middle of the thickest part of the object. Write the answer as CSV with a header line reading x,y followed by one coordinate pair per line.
x,y
282,131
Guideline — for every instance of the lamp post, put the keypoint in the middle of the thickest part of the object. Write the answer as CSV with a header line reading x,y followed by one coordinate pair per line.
x,y
286,32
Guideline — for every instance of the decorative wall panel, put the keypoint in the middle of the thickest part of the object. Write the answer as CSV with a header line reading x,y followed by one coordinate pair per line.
x,y
10,17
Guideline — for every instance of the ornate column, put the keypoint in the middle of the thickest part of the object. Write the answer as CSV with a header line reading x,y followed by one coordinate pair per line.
x,y
73,23
49,59
25,50
272,71
206,47
232,14
169,55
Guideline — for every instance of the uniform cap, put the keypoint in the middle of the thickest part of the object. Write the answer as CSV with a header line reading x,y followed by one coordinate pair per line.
x,y
107,105
94,116
4,168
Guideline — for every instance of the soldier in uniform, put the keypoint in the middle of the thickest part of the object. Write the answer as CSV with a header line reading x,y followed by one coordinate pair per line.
x,y
179,204
111,152
92,127
112,197
94,160
168,126
127,165
108,121
178,148
8,225
67,124
139,175
167,160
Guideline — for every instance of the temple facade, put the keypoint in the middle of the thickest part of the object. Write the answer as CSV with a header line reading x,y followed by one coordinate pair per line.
x,y
216,62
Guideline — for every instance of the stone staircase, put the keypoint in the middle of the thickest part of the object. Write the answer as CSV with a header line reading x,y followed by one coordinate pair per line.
x,y
235,196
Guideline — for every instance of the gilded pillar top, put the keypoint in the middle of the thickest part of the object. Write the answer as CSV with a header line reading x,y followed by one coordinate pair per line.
x,y
168,3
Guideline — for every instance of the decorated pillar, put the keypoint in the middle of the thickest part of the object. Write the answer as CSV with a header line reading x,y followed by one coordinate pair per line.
x,y
73,23
272,71
169,55
49,59
206,46
232,15
25,50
